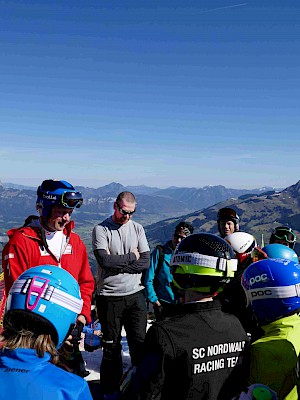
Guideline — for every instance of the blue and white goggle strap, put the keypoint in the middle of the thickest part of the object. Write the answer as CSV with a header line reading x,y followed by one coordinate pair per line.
x,y
37,288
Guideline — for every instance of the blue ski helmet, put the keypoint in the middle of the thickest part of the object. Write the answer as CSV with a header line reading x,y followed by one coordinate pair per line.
x,y
203,262
272,287
52,192
45,300
277,250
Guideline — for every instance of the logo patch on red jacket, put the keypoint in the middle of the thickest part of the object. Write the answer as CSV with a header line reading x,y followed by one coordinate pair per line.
x,y
68,249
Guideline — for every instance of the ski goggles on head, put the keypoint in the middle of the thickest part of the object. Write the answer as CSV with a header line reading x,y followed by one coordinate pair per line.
x,y
71,199
285,234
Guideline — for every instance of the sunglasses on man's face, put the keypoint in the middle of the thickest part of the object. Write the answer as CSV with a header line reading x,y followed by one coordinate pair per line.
x,y
123,212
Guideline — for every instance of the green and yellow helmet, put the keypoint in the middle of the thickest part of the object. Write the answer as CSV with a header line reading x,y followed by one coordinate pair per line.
x,y
203,262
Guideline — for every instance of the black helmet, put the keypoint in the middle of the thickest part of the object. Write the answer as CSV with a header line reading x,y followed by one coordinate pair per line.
x,y
203,262
283,233
229,214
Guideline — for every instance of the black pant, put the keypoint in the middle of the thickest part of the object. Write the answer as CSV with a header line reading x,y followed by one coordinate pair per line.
x,y
115,312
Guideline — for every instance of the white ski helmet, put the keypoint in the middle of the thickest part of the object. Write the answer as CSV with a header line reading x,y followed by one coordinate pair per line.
x,y
242,244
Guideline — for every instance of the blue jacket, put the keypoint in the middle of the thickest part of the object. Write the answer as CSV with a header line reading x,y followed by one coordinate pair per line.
x,y
88,330
163,290
24,376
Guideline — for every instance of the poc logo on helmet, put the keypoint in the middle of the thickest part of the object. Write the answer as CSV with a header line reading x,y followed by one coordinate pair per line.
x,y
266,292
258,278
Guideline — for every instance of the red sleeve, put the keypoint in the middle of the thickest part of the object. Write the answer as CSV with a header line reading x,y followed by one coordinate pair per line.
x,y
86,283
14,262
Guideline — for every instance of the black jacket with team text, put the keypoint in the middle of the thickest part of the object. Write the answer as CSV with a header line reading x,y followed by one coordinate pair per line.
x,y
193,355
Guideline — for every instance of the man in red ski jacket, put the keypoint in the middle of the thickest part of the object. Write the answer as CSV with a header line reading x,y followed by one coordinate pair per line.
x,y
49,239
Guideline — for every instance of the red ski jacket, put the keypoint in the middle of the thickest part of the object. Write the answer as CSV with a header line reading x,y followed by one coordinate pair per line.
x,y
28,248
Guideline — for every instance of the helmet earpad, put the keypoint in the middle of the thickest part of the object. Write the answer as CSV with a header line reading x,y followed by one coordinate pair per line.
x,y
26,320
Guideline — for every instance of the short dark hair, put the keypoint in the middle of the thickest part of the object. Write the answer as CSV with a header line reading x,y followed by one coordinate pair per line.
x,y
185,226
128,196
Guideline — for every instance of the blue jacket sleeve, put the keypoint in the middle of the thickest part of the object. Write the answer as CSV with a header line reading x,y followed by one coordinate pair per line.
x,y
87,330
150,275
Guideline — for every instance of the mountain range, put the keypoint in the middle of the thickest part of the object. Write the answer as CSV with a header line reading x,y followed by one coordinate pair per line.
x,y
159,210
153,204
259,214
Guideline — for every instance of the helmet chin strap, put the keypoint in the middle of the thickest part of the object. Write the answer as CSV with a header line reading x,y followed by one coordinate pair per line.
x,y
43,221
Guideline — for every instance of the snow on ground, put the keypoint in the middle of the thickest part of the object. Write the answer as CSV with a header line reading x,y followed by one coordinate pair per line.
x,y
93,359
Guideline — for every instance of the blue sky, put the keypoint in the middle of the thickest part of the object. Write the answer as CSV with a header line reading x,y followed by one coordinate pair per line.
x,y
154,92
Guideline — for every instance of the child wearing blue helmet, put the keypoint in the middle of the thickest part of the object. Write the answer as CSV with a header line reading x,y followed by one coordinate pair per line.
x,y
41,309
272,287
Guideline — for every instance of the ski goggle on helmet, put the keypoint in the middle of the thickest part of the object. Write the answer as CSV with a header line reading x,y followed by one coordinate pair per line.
x,y
45,300
55,192
242,244
272,288
283,233
203,262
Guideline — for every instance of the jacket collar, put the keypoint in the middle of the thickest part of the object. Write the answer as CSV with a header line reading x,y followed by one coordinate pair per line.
x,y
35,232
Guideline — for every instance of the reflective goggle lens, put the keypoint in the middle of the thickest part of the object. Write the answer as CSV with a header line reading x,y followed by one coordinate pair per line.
x,y
71,199
285,234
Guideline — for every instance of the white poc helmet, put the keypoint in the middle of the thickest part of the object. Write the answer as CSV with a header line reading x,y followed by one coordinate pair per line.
x,y
242,244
